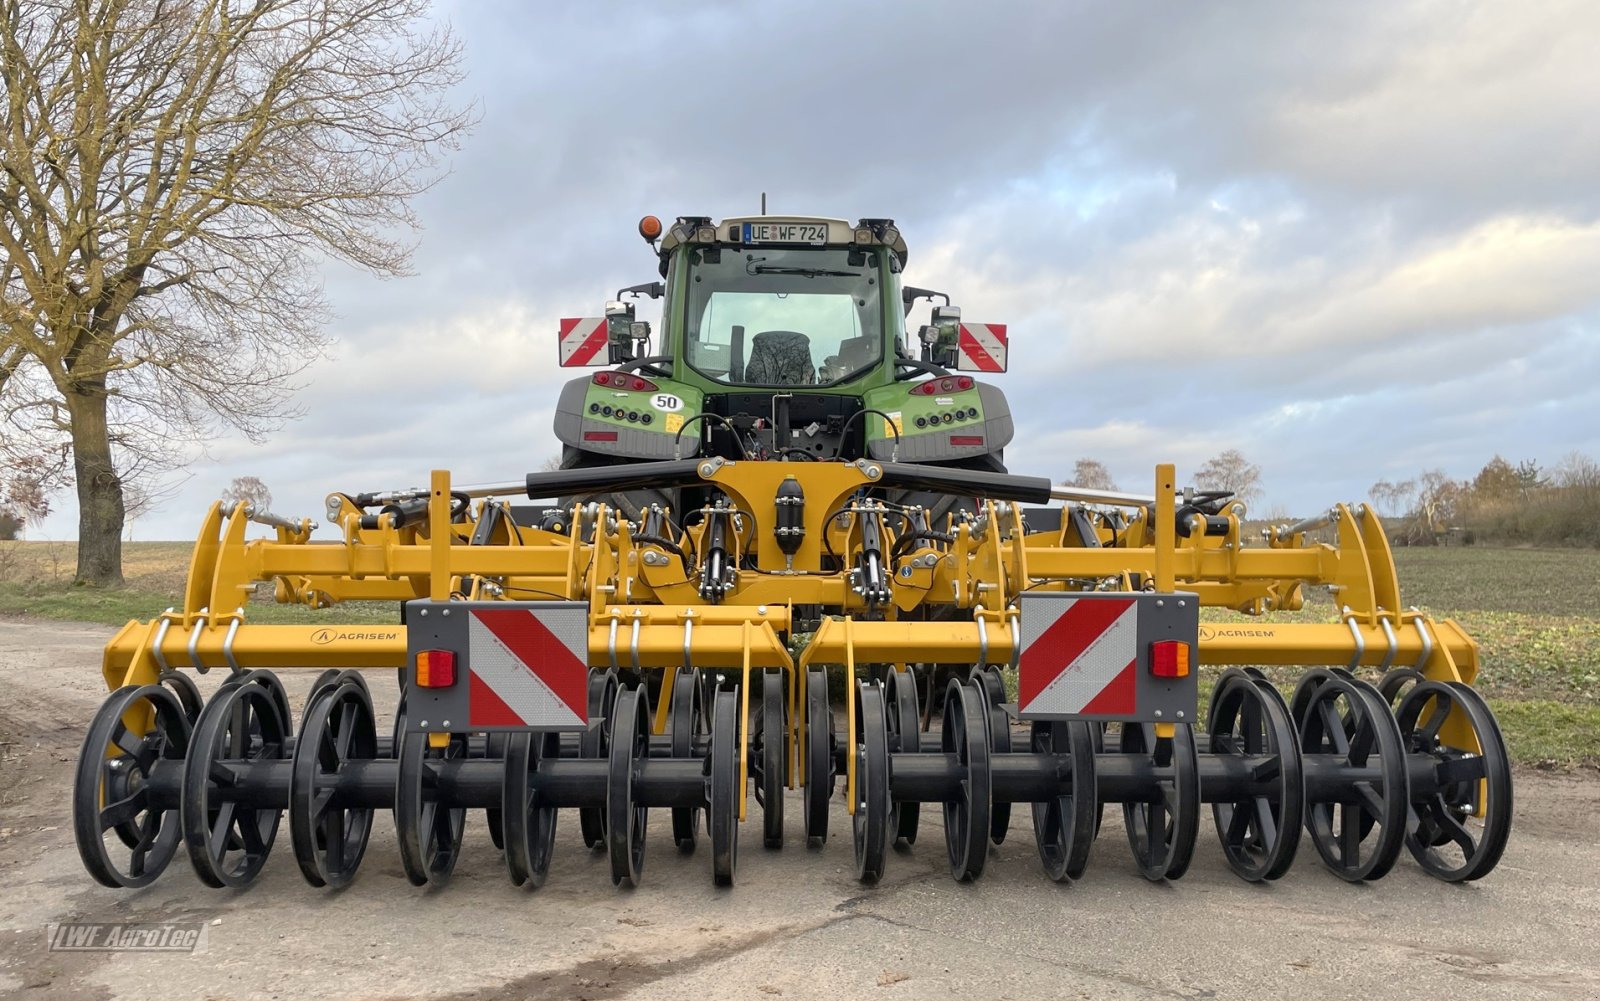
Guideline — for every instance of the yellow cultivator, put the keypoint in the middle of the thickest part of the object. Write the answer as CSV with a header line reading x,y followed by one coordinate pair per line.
x,y
808,587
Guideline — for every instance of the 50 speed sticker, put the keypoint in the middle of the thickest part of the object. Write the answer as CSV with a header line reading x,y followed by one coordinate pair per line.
x,y
667,402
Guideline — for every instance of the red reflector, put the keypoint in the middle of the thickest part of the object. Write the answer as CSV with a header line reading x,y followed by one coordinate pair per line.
x,y
436,669
1169,659
966,439
599,436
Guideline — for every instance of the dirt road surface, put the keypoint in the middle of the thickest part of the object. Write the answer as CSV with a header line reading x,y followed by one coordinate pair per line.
x,y
797,925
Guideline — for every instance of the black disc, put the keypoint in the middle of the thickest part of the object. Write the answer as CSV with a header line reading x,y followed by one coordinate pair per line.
x,y
967,817
625,816
123,839
1347,724
1462,828
321,683
905,737
1064,826
186,690
994,693
1261,831
529,819
339,728
595,743
228,836
819,757
688,721
1305,688
494,749
429,832
870,823
1162,827
1396,683
268,681
724,792
773,757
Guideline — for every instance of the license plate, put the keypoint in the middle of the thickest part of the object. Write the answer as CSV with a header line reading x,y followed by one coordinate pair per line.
x,y
786,232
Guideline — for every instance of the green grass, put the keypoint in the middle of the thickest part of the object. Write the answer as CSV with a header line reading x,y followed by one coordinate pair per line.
x,y
36,579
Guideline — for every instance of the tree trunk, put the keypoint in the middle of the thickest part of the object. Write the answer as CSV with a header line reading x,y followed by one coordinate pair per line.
x,y
100,512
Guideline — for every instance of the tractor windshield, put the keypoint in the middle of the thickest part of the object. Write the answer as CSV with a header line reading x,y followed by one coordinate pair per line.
x,y
783,316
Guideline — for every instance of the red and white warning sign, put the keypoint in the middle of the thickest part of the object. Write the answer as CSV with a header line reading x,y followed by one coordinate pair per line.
x,y
983,347
582,340
527,667
1079,656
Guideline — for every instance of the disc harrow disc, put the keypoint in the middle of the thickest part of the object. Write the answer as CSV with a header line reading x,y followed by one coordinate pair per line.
x,y
819,757
1064,826
688,723
229,837
994,693
870,823
187,691
429,832
1261,832
339,728
595,743
625,816
123,839
1358,835
494,749
529,819
904,721
967,817
1394,685
724,792
1163,828
1460,831
773,757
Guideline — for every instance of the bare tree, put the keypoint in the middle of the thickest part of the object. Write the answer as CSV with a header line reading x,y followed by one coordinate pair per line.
x,y
249,489
1393,500
1091,474
169,172
1577,470
1230,471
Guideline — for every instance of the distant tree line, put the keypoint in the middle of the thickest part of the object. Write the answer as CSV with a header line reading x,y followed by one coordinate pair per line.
x,y
1504,504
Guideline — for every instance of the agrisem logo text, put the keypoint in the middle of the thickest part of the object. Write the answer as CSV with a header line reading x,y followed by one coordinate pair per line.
x,y
322,637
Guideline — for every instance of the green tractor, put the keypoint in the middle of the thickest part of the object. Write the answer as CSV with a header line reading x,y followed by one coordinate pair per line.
x,y
781,338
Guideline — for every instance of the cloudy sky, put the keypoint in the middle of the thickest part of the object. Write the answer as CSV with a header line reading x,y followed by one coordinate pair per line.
x,y
1352,240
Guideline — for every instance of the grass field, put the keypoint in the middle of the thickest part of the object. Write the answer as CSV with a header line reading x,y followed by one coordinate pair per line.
x,y
1535,612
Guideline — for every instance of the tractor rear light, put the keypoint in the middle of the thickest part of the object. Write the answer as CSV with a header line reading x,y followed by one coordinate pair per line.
x,y
1169,659
948,384
621,380
599,436
436,669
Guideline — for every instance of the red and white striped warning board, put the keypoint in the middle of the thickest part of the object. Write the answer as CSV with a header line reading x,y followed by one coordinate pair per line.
x,y
983,347
528,667
582,340
1079,656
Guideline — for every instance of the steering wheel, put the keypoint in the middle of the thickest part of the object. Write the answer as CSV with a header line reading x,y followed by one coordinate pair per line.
x,y
650,366
916,367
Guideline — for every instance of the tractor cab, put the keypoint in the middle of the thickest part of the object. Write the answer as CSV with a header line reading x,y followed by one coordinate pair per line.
x,y
781,337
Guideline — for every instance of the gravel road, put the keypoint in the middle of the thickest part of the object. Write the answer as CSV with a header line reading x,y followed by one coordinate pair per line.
x,y
797,926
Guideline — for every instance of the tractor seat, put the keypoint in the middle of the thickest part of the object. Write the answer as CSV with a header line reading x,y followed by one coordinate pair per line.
x,y
780,358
